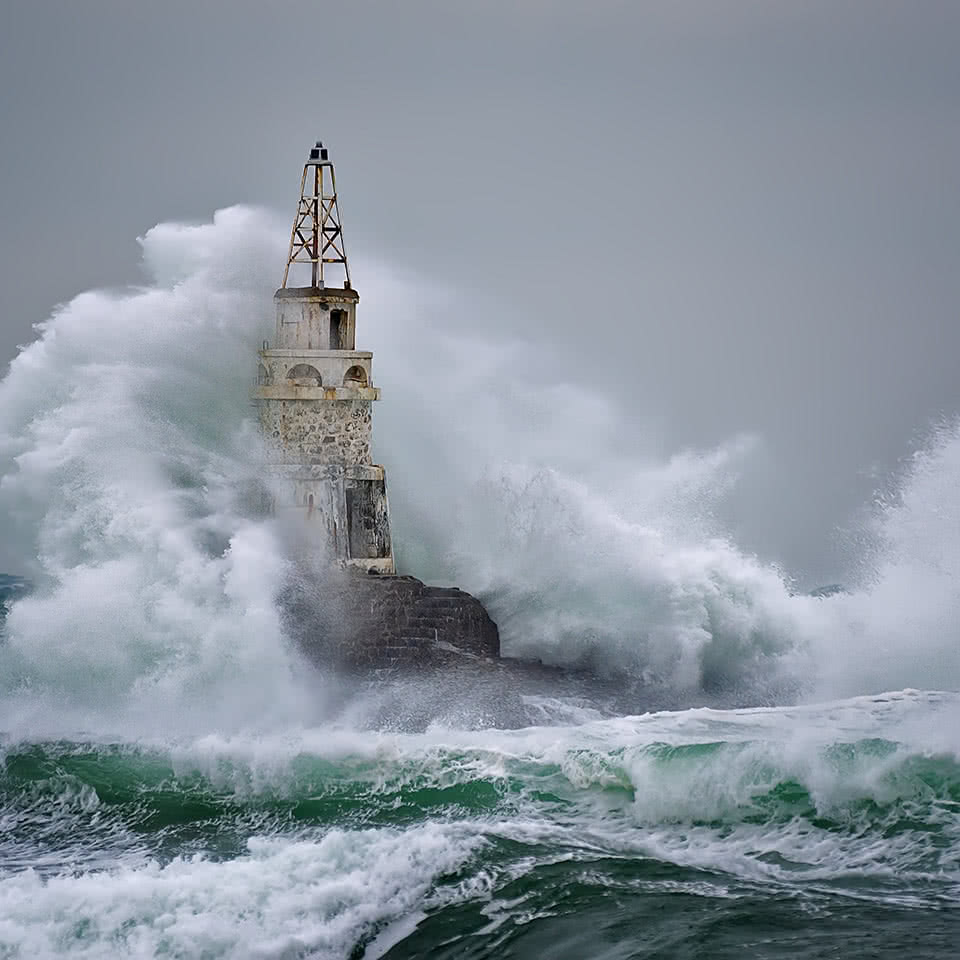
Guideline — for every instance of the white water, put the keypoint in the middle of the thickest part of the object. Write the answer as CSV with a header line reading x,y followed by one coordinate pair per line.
x,y
125,443
284,897
320,891
125,446
125,449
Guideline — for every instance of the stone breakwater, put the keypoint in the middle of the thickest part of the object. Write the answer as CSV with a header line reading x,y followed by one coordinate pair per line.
x,y
357,620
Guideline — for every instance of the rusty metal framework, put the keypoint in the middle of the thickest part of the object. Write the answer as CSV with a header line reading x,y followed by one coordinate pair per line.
x,y
317,236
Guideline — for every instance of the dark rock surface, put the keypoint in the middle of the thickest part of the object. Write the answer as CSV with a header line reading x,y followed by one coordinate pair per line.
x,y
476,694
830,590
11,588
471,694
358,620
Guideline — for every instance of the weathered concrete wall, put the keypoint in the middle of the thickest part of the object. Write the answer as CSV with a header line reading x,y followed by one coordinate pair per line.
x,y
334,512
333,368
359,620
368,519
313,394
310,318
318,431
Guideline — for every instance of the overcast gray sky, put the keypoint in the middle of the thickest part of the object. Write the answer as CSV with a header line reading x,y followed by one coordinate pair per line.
x,y
744,214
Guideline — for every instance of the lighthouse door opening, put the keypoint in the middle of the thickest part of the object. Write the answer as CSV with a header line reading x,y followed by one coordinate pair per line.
x,y
336,329
367,525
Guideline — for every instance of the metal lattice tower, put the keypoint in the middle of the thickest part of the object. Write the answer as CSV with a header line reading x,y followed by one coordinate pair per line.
x,y
317,237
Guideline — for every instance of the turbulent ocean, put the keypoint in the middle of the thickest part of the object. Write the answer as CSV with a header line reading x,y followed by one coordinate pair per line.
x,y
742,769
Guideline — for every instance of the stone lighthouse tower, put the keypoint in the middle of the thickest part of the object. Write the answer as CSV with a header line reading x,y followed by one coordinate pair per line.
x,y
315,390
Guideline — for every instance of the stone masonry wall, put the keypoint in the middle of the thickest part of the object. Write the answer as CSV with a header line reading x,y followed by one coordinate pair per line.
x,y
318,431
358,620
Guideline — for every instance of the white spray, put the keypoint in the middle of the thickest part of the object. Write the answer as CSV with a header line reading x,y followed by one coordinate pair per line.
x,y
126,441
126,446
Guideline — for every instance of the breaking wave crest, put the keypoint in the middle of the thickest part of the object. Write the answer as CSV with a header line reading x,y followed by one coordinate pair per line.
x,y
325,841
126,444
587,555
126,448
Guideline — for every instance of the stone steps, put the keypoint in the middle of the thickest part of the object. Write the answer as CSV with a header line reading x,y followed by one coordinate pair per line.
x,y
390,621
440,592
418,634
398,650
439,603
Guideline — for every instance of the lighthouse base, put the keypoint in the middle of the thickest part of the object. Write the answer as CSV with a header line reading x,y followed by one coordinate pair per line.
x,y
340,510
357,620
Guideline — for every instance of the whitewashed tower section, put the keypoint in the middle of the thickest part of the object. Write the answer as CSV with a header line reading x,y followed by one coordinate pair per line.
x,y
315,391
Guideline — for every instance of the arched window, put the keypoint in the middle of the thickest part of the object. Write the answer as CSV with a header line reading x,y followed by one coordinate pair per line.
x,y
263,374
305,375
356,376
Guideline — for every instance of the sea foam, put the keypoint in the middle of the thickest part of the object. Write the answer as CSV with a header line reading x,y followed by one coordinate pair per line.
x,y
126,442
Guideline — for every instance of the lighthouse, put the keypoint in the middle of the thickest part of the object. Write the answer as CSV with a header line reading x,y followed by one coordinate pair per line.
x,y
315,390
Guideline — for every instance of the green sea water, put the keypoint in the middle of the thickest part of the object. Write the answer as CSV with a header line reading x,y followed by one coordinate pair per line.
x,y
829,830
